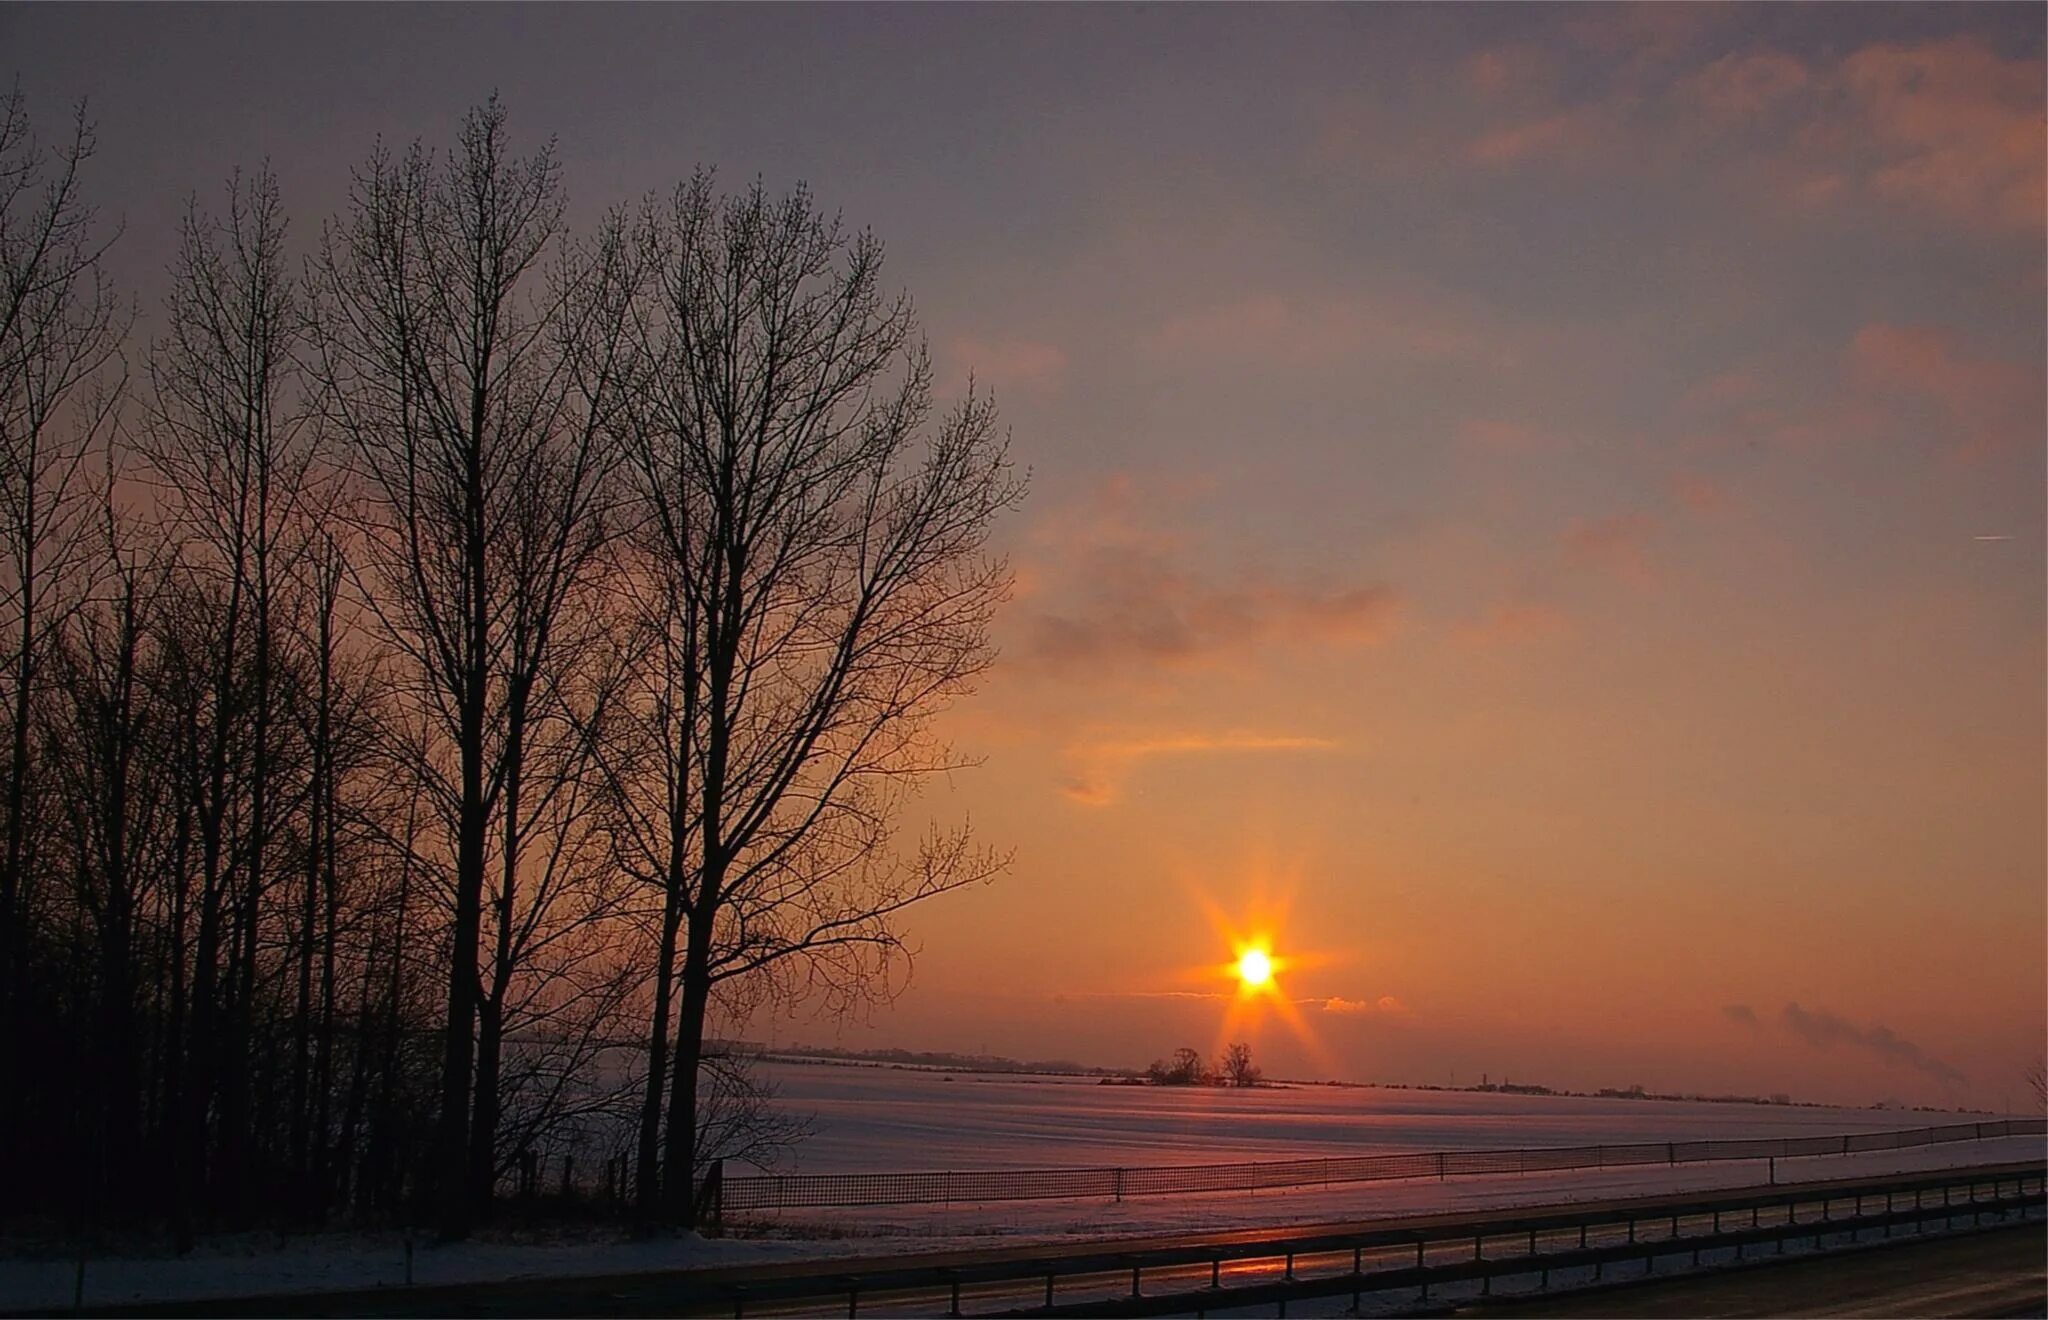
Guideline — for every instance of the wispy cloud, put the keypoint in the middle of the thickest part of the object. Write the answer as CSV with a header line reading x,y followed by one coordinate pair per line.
x,y
1511,623
1960,128
1981,404
1617,543
1385,1005
1098,768
1110,593
1315,330
1008,362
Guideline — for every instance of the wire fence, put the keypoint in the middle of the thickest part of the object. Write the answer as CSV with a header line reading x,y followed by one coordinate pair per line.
x,y
804,1190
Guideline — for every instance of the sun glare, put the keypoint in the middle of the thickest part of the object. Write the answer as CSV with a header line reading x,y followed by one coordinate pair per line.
x,y
1254,967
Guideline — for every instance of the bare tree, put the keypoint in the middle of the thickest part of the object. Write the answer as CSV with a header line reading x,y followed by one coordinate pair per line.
x,y
1184,1069
228,447
118,795
2037,1083
60,336
821,590
461,374
1236,1066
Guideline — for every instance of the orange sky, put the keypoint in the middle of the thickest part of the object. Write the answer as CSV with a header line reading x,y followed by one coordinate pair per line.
x,y
1554,492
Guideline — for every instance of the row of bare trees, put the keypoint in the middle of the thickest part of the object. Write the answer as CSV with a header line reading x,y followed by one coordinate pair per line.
x,y
1234,1067
451,668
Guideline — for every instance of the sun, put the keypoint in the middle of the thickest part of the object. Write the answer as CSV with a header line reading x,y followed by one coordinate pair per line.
x,y
1254,967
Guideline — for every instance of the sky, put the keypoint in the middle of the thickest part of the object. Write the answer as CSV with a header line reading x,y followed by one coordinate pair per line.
x,y
1536,512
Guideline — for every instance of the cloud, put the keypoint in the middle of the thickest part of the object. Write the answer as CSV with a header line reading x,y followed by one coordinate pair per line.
x,y
1065,995
1009,362
1098,768
1511,623
1315,331
1959,126
1741,1014
1824,1030
1984,404
1699,494
1951,130
1108,594
1498,435
1388,1005
1744,84
1616,543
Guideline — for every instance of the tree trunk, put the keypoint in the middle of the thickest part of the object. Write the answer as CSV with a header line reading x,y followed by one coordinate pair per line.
x,y
679,1179
647,1183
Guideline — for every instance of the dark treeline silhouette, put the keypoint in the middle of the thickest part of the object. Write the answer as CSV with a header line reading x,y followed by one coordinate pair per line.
x,y
451,661
1233,1067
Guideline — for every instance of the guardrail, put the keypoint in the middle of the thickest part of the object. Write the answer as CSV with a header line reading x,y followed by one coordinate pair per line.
x,y
808,1190
1196,1272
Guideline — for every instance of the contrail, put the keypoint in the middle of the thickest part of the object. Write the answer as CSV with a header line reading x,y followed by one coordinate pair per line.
x,y
1991,538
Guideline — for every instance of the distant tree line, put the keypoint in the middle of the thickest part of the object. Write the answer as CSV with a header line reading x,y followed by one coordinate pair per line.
x,y
448,663
1234,1067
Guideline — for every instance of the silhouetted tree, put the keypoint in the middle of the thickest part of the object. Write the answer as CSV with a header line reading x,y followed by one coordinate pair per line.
x,y
1236,1066
815,541
1184,1069
227,444
60,336
459,374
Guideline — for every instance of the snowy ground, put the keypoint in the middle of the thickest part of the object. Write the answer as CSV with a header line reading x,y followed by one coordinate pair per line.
x,y
924,1228
868,1118
887,1119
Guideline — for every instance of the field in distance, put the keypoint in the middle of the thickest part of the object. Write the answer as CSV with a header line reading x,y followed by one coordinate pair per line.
x,y
888,1119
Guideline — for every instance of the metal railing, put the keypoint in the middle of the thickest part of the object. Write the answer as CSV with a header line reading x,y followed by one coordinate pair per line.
x,y
807,1190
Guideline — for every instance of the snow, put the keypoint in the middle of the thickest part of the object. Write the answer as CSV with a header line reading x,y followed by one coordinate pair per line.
x,y
888,1119
925,1228
256,1265
902,1120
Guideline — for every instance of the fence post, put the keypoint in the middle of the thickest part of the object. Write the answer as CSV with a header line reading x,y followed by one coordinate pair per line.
x,y
1671,1152
711,1199
1119,1185
1440,1166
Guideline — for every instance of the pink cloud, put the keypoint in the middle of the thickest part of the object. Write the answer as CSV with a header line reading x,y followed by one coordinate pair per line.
x,y
1512,623
1699,494
1113,595
1988,404
1554,134
1747,84
1009,362
1502,436
1617,544
1961,128
1098,767
1306,331
1502,71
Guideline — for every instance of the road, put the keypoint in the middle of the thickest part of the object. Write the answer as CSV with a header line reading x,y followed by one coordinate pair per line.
x,y
1999,1272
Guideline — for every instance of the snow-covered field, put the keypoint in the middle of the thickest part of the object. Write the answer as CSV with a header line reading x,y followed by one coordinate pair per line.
x,y
889,1119
881,1119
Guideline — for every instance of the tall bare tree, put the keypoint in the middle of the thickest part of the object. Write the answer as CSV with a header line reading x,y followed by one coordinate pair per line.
x,y
228,444
60,336
822,588
459,372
